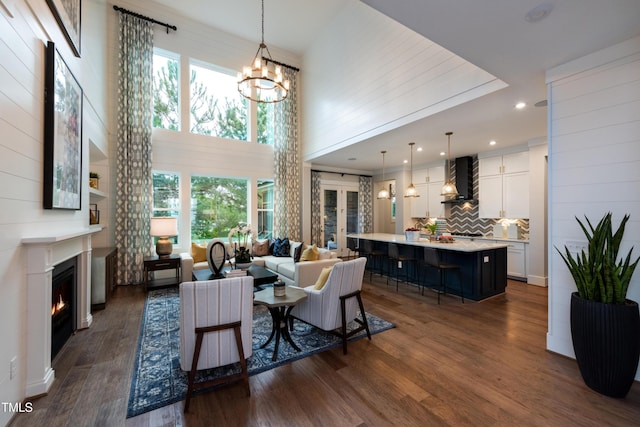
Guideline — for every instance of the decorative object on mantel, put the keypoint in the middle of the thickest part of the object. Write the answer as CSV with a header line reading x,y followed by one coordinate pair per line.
x,y
163,228
263,80
449,190
411,189
62,134
93,180
244,237
605,325
383,193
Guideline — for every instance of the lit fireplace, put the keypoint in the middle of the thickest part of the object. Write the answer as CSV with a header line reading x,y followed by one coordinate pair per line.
x,y
63,287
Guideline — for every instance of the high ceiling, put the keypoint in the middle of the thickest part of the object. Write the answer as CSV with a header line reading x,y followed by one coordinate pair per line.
x,y
496,36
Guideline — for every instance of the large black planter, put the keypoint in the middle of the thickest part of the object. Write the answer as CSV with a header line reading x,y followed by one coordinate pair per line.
x,y
606,340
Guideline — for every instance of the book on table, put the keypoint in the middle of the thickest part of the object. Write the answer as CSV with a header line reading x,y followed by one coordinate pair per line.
x,y
235,273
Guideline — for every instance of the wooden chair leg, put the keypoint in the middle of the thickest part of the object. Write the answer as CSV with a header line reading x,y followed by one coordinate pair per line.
x,y
194,367
364,324
242,376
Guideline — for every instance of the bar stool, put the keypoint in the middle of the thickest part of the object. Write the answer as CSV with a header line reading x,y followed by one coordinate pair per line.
x,y
352,245
373,255
395,257
432,259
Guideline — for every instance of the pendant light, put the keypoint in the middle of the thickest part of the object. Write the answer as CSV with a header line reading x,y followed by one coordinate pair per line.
x,y
411,190
383,193
449,189
263,81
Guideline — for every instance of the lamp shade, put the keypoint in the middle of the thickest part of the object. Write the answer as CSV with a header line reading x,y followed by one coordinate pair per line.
x,y
164,226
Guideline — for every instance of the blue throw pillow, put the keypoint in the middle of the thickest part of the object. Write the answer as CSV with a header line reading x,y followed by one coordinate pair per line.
x,y
281,247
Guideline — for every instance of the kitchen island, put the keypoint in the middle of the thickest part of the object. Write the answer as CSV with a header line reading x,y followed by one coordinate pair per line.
x,y
483,266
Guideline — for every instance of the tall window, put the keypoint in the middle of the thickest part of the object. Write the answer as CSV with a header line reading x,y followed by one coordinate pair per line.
x,y
166,90
166,197
265,209
217,205
266,123
217,108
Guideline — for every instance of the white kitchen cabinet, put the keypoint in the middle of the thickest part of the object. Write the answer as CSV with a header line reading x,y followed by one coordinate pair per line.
x,y
504,186
428,183
516,260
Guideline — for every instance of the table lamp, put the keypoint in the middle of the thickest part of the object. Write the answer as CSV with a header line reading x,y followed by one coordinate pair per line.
x,y
163,228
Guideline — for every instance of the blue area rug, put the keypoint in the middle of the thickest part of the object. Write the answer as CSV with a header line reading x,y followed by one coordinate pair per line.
x,y
157,378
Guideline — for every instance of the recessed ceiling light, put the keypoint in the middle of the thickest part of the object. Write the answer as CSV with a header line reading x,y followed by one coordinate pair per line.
x,y
442,153
351,158
419,149
539,12
492,143
405,161
520,105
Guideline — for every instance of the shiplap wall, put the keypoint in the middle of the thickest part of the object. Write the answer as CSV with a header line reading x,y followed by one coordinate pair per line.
x,y
367,74
594,163
25,28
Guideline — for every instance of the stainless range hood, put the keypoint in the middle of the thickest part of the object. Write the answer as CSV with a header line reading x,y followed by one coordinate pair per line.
x,y
464,181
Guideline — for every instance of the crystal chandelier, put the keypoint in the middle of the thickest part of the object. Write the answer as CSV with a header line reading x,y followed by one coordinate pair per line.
x,y
411,190
383,193
263,80
449,189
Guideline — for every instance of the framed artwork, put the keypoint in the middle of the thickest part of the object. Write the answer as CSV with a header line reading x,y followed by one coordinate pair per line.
x,y
62,134
67,13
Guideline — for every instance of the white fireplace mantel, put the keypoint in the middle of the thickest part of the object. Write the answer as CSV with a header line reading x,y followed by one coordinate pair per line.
x,y
43,253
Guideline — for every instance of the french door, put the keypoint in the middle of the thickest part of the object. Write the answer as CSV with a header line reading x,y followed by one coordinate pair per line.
x,y
339,215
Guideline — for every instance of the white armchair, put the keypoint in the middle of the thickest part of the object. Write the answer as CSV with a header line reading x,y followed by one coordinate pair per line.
x,y
216,324
334,306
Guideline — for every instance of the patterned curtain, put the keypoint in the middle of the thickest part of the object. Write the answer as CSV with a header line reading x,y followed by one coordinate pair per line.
x,y
316,210
133,147
365,205
287,185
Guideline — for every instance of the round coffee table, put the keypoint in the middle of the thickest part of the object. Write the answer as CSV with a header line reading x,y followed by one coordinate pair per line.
x,y
280,309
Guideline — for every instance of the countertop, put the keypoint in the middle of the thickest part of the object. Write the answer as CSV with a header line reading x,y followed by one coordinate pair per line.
x,y
499,239
462,245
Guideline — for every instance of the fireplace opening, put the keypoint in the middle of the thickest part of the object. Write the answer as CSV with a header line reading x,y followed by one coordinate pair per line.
x,y
63,315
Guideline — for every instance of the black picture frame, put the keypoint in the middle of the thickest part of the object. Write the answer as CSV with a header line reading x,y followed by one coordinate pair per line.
x,y
68,14
62,134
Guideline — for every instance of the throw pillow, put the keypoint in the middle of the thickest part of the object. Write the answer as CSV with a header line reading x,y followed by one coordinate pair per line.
x,y
198,253
322,279
297,253
281,248
310,254
260,248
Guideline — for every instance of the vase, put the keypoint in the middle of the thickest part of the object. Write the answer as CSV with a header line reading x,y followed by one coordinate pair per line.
x,y
606,341
412,236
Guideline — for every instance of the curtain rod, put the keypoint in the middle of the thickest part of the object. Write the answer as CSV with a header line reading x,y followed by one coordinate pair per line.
x,y
146,18
342,173
291,67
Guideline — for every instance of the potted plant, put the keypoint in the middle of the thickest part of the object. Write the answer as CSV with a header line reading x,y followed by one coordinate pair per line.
x,y
605,325
244,236
432,229
93,180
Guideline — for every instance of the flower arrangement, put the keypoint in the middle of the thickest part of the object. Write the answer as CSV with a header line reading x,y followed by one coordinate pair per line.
x,y
244,235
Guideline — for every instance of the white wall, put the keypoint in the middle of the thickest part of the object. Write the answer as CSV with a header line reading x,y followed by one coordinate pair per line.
x,y
594,162
25,27
367,74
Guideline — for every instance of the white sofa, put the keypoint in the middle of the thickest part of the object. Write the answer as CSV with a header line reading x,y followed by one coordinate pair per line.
x,y
302,273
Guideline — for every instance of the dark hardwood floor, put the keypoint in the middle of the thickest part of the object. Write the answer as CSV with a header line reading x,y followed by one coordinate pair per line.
x,y
479,364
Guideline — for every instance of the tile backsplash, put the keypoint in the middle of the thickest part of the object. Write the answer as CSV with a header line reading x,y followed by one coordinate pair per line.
x,y
464,217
